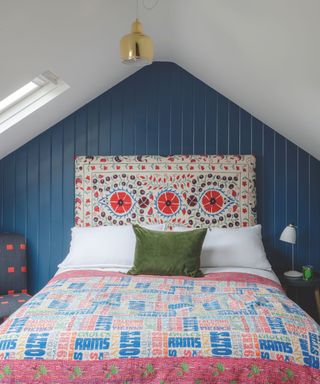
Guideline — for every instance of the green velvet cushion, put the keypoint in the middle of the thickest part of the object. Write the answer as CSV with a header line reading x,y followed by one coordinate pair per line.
x,y
167,253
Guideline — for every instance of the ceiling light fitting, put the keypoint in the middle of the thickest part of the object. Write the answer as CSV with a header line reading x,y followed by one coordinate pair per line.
x,y
136,48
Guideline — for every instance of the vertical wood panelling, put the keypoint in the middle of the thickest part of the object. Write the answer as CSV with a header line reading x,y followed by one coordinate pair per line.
x,y
222,127
257,150
128,134
233,124
9,164
245,132
1,192
268,192
68,183
56,206
211,120
176,110
164,103
314,210
279,198
32,219
303,207
187,113
45,239
199,118
21,190
164,110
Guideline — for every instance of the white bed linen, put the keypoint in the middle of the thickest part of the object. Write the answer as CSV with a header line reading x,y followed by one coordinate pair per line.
x,y
259,272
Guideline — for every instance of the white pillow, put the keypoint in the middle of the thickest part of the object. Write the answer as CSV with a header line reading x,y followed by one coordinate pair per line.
x,y
109,247
233,247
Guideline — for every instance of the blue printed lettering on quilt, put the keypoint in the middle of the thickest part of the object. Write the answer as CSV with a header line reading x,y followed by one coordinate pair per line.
x,y
208,289
275,346
308,359
78,356
58,304
276,325
184,288
186,299
220,343
314,343
124,282
76,286
184,342
36,345
173,307
143,285
137,305
37,300
129,344
93,356
8,344
126,279
17,325
249,310
79,311
212,305
90,343
114,299
190,324
293,309
103,323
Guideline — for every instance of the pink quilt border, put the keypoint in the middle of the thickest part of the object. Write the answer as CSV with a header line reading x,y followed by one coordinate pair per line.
x,y
187,370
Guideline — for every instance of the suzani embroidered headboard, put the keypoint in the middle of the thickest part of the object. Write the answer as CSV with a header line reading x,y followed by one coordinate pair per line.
x,y
197,191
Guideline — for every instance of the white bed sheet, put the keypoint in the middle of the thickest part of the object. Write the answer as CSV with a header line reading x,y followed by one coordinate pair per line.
x,y
259,272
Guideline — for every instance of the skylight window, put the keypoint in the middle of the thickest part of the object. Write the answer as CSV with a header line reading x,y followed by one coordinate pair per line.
x,y
17,96
29,98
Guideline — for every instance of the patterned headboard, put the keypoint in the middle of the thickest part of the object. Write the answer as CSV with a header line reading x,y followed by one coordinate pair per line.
x,y
197,191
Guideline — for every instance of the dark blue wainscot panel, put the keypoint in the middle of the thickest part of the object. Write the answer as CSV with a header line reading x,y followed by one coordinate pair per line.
x,y
161,109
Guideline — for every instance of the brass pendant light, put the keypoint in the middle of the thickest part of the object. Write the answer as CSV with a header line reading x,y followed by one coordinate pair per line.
x,y
136,48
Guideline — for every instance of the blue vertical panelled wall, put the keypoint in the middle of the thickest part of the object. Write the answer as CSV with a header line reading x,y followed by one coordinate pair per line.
x,y
163,110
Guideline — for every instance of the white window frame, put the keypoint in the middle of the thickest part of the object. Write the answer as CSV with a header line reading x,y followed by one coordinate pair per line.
x,y
49,87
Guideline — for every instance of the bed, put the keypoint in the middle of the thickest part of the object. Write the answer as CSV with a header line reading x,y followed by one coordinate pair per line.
x,y
92,324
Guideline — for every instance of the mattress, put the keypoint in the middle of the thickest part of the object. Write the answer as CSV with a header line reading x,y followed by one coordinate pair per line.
x,y
93,326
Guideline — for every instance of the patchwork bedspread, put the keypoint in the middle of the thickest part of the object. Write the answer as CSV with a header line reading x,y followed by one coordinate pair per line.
x,y
96,327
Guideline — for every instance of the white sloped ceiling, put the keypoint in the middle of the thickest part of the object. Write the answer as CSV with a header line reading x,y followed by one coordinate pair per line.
x,y
263,55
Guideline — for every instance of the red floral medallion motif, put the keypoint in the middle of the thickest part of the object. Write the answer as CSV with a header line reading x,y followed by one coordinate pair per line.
x,y
212,201
168,203
120,202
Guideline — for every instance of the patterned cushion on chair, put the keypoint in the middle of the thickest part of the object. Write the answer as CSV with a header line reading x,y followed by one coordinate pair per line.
x,y
13,264
10,303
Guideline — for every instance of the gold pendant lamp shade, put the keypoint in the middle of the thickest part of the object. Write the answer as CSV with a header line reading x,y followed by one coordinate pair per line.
x,y
136,48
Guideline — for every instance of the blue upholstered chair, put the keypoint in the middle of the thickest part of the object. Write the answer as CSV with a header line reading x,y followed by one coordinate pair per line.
x,y
13,274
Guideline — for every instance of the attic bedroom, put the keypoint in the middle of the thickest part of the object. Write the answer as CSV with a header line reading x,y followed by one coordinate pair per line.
x,y
159,191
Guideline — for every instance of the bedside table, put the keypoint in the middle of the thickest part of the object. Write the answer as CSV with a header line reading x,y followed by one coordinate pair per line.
x,y
300,283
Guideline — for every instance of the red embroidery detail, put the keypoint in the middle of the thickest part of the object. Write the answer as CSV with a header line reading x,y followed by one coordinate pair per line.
x,y
10,269
11,292
23,291
9,247
24,269
212,201
168,203
23,247
120,202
